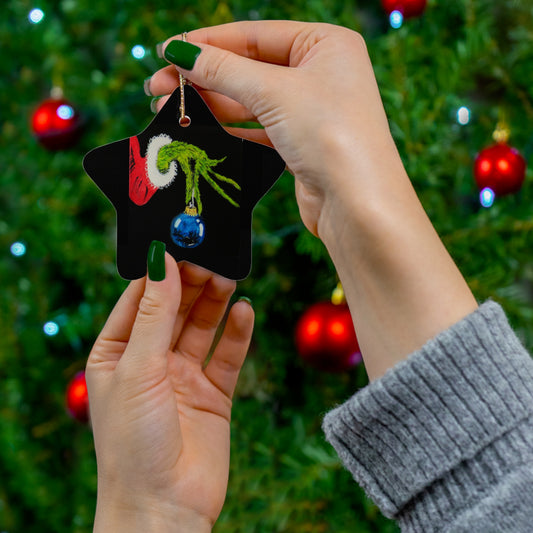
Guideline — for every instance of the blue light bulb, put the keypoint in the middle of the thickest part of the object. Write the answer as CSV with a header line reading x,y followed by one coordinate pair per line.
x,y
396,19
487,197
18,249
51,328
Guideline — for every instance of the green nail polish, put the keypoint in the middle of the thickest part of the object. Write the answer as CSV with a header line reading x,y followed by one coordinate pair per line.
x,y
156,261
245,299
146,86
182,54
153,104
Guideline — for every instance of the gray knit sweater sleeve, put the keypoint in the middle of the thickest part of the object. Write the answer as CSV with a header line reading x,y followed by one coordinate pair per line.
x,y
443,442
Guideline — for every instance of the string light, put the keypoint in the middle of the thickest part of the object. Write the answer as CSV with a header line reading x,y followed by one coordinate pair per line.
x,y
51,328
463,115
18,249
487,197
65,112
138,51
396,19
36,15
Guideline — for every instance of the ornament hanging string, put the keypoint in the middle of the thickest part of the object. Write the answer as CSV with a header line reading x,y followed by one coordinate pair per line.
x,y
185,120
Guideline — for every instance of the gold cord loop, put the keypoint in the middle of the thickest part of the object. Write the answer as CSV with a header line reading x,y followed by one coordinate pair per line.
x,y
185,120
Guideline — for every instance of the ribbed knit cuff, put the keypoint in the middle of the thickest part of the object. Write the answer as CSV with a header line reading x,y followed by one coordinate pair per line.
x,y
434,429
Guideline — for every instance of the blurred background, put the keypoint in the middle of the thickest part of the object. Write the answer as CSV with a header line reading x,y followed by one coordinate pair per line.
x,y
451,73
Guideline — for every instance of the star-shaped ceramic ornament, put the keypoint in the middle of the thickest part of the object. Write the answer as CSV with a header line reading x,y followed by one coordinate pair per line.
x,y
193,188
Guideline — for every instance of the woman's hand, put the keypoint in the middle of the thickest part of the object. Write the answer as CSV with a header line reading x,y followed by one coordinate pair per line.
x,y
161,418
312,88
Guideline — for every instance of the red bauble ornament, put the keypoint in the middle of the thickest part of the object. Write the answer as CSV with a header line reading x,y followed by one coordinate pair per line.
x,y
501,168
408,8
77,398
56,124
325,337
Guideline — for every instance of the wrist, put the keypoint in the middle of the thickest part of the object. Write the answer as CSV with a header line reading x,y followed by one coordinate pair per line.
x,y
365,186
119,517
402,286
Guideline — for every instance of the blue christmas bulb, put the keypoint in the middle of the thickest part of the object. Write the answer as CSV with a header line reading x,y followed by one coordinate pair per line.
x,y
188,229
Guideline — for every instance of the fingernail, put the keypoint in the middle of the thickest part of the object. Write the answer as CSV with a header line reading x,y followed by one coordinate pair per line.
x,y
159,49
156,261
182,53
146,86
153,105
244,299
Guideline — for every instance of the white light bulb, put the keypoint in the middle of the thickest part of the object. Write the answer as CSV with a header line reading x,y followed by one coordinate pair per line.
x,y
65,112
36,15
463,115
138,51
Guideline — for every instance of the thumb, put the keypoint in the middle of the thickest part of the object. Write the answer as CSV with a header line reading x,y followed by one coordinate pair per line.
x,y
152,330
242,79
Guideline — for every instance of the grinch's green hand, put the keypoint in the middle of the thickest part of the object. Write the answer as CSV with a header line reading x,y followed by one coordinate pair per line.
x,y
195,163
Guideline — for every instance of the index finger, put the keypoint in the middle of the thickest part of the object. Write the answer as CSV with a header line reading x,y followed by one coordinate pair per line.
x,y
120,321
270,41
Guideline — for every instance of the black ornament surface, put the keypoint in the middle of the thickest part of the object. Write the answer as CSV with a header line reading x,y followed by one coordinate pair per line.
x,y
217,175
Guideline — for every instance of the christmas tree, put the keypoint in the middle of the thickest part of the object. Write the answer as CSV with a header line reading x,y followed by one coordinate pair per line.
x,y
448,77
